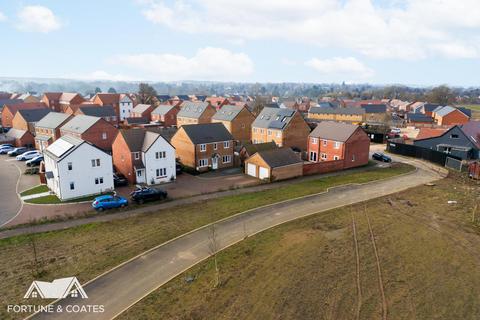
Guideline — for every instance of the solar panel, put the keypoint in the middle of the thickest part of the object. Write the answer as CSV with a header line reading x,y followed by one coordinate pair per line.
x,y
285,112
277,125
59,147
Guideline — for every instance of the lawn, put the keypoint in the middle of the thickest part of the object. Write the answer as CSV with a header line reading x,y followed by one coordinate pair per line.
x,y
89,250
38,189
53,199
475,111
428,253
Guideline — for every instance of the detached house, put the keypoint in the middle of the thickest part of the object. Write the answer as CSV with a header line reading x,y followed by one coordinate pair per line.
x,y
142,111
75,168
47,130
107,113
95,130
445,116
339,141
10,110
60,101
285,127
144,157
20,138
121,103
204,146
237,119
195,113
166,114
27,118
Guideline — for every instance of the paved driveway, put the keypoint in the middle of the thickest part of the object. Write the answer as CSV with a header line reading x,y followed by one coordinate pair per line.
x,y
122,287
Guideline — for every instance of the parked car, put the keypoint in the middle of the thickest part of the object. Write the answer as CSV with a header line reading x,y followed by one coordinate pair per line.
x,y
396,130
35,161
178,168
29,155
144,194
6,145
5,150
17,151
108,202
119,180
381,157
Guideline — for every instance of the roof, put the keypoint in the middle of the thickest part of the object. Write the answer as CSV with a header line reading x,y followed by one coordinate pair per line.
x,y
327,110
443,111
67,97
472,131
429,107
167,133
15,133
163,97
337,131
418,117
374,108
109,98
207,133
97,111
33,115
141,108
52,120
279,157
252,148
63,147
227,112
466,111
426,133
139,139
193,109
14,107
273,118
137,120
162,109
9,101
80,123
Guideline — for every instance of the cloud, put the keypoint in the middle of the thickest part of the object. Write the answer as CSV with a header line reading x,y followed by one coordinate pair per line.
x,y
100,75
340,68
207,64
37,19
400,29
3,17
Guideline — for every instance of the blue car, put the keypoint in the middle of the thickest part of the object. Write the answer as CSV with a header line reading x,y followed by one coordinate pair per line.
x,y
108,202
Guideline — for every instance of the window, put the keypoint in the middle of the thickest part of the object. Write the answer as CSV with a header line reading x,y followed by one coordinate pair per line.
x,y
324,143
337,145
353,158
313,156
314,140
74,293
95,163
99,180
162,172
243,125
323,156
454,136
72,186
139,173
279,134
34,294
98,162
160,155
136,155
104,136
215,146
226,144
336,158
203,147
227,159
269,132
203,163
70,166
261,130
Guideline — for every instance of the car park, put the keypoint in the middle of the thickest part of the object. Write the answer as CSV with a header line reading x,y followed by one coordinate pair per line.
x,y
119,180
29,155
17,151
5,150
35,161
109,202
6,145
144,194
381,157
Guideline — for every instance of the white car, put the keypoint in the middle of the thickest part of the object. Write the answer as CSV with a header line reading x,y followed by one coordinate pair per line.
x,y
396,130
28,155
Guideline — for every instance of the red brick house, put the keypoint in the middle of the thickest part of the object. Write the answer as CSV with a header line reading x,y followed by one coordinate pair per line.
x,y
21,138
60,101
217,102
449,116
142,111
95,130
339,141
105,112
10,110
25,119
166,114
47,130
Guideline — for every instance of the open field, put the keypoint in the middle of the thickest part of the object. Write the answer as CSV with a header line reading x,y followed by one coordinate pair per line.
x,y
475,110
88,250
421,252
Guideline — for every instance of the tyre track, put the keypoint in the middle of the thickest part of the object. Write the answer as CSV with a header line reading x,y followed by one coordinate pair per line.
x,y
357,258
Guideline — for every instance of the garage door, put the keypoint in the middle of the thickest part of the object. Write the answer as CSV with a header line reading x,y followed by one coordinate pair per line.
x,y
263,173
251,170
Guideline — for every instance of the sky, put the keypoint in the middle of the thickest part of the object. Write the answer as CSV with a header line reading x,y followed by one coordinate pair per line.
x,y
411,42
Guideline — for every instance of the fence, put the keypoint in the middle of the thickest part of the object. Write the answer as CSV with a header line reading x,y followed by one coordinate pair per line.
x,y
409,150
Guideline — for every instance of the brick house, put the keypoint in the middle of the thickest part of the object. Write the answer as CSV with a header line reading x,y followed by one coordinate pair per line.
x,y
448,116
331,141
20,138
25,119
249,149
238,121
47,130
166,114
204,146
105,112
195,113
348,114
142,111
274,164
60,101
217,102
121,103
144,156
376,113
10,110
285,127
418,118
95,130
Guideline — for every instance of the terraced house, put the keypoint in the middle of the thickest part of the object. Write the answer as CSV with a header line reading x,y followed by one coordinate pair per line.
x,y
166,114
237,119
348,114
285,127
195,113
47,130
26,119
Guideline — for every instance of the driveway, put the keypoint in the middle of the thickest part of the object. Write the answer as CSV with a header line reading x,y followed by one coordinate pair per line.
x,y
12,180
125,285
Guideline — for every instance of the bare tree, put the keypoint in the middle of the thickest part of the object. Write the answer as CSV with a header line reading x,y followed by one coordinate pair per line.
x,y
213,247
35,270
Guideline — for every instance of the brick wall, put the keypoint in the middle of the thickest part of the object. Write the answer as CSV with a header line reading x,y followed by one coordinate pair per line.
x,y
310,168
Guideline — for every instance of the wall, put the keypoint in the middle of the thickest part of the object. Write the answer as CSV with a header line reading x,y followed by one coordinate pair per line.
x,y
122,159
185,150
310,168
152,164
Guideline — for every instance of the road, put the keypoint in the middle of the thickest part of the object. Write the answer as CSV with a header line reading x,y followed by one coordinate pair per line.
x,y
10,175
128,283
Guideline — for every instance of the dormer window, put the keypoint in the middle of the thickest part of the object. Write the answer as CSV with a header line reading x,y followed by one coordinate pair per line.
x,y
136,155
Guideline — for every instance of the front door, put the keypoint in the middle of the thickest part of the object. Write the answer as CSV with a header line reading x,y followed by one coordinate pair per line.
x,y
140,176
215,163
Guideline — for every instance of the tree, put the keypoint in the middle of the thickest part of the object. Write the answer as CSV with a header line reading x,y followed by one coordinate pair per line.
x,y
146,93
112,90
98,90
442,95
260,103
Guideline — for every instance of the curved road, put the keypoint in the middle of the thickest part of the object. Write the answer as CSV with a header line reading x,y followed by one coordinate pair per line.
x,y
10,176
128,283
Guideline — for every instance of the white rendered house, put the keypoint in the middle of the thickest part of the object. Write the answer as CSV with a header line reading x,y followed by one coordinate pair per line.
x,y
74,168
125,106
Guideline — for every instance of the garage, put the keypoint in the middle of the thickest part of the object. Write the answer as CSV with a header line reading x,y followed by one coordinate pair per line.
x,y
252,170
263,173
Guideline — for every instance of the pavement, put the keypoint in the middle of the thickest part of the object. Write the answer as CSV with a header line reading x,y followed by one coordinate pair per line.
x,y
126,284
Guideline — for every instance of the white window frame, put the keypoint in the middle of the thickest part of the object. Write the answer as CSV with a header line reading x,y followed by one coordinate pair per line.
x,y
314,140
323,156
337,145
203,147
324,142
215,146
336,158
104,136
136,155
202,163
313,153
227,159
226,144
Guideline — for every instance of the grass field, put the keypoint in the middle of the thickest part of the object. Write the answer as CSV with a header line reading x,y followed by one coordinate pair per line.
x,y
89,250
475,111
38,189
428,254
53,199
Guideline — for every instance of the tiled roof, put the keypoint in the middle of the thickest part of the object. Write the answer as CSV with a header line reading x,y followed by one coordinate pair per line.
x,y
192,109
472,131
97,111
418,117
140,108
162,109
207,133
374,108
346,111
426,133
280,157
33,115
227,113
273,118
337,131
80,123
52,120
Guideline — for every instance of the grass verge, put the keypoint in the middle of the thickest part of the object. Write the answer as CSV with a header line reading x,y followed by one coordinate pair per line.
x,y
53,199
88,250
35,190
